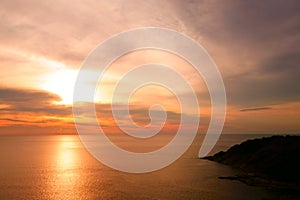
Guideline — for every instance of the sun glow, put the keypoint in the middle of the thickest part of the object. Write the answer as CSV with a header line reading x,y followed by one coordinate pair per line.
x,y
61,82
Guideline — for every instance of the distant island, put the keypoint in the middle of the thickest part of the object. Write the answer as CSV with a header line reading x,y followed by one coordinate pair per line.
x,y
269,162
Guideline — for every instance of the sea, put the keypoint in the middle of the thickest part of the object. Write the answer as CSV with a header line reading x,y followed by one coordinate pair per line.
x,y
59,167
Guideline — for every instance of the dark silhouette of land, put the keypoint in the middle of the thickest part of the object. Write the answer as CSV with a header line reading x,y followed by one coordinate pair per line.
x,y
272,162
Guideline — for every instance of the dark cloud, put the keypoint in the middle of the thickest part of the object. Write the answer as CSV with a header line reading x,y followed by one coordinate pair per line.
x,y
13,120
239,22
262,21
275,81
32,101
255,45
255,109
32,121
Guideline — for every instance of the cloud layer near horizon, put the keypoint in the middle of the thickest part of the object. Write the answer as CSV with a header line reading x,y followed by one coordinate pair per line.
x,y
37,108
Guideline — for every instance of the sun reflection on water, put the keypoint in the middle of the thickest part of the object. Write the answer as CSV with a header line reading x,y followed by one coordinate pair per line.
x,y
66,153
66,174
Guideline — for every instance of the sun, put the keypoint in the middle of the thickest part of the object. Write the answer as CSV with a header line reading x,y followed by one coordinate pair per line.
x,y
61,82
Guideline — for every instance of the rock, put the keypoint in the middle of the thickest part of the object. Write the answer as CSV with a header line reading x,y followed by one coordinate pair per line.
x,y
272,161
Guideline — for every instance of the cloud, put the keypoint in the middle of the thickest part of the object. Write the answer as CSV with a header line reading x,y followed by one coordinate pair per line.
x,y
13,120
254,44
72,30
243,37
37,107
255,109
275,81
27,111
32,101
36,121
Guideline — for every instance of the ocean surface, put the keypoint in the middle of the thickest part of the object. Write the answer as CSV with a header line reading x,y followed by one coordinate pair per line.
x,y
59,167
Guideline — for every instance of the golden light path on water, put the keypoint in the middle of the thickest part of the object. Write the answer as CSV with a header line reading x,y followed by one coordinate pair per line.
x,y
66,161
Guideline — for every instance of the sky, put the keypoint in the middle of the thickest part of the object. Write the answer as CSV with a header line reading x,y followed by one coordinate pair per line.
x,y
255,45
